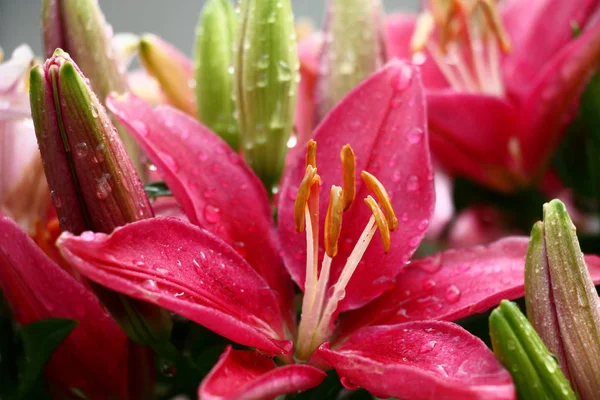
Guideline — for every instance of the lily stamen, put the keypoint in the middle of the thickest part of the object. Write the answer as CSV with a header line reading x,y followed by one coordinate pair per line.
x,y
321,299
470,35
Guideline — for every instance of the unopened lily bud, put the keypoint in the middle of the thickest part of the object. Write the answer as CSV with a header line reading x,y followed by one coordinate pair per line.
x,y
173,71
92,181
266,84
214,69
561,298
354,48
79,28
517,346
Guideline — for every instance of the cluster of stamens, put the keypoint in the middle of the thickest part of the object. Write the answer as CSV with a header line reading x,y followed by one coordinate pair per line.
x,y
469,36
321,300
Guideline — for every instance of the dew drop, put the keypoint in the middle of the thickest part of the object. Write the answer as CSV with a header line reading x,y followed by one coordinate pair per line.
x,y
87,236
103,188
412,183
396,176
452,294
415,136
212,214
56,200
427,347
423,225
150,284
171,163
428,284
94,110
431,264
404,217
81,149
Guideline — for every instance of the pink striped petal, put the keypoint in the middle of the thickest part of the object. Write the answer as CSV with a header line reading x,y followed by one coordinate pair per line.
x,y
245,374
187,270
384,120
419,360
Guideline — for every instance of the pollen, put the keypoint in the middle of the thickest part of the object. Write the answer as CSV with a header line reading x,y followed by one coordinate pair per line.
x,y
333,221
382,196
348,176
381,222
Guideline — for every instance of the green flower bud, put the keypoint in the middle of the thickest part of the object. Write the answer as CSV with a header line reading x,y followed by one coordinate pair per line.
x,y
561,298
79,28
266,83
92,181
214,69
517,346
353,49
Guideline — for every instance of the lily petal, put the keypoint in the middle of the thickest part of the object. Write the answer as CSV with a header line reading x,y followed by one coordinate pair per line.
x,y
187,270
456,121
195,163
400,28
556,89
526,22
308,54
384,120
453,284
245,374
419,360
93,357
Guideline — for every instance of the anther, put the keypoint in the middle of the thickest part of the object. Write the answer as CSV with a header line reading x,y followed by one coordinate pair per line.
x,y
311,153
381,221
302,197
377,188
348,175
333,221
423,29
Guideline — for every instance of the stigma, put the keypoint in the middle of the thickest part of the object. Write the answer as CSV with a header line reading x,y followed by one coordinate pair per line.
x,y
470,36
321,297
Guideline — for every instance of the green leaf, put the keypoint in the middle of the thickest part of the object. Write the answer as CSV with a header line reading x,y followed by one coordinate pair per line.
x,y
40,339
157,189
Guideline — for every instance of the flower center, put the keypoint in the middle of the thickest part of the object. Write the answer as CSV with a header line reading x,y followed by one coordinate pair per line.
x,y
470,35
320,298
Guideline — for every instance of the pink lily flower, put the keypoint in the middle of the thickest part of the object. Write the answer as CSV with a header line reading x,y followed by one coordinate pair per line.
x,y
36,287
229,276
497,118
23,191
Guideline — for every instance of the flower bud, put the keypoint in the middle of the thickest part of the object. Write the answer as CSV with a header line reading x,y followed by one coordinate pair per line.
x,y
266,83
214,70
354,48
173,71
79,28
517,346
561,299
92,181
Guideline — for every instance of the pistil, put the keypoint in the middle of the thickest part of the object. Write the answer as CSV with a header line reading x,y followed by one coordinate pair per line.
x,y
321,299
466,49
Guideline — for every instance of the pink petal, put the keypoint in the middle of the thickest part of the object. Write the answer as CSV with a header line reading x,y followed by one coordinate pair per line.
x,y
14,71
308,53
420,360
245,374
452,285
384,120
18,146
471,133
477,225
400,28
216,190
549,103
528,21
444,206
94,356
145,86
187,270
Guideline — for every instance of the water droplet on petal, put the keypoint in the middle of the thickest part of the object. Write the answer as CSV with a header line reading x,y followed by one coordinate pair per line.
x,y
412,183
452,294
427,347
81,149
103,188
415,136
150,284
171,163
212,214
428,284
431,264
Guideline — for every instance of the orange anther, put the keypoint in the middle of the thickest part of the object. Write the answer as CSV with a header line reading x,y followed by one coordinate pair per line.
x,y
382,223
377,188
311,153
333,221
348,175
310,178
